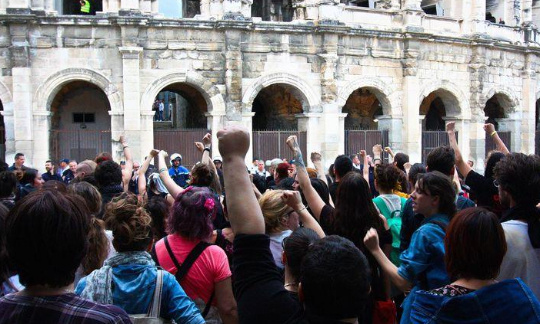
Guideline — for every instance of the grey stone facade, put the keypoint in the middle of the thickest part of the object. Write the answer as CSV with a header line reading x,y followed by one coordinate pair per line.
x,y
396,51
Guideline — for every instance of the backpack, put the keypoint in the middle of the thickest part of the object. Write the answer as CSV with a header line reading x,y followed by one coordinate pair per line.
x,y
393,218
183,269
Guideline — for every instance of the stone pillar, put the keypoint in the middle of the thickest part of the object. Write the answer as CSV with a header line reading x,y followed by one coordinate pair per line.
x,y
394,126
146,133
214,123
9,124
412,142
233,72
132,110
477,143
311,124
246,121
41,130
512,125
18,7
526,9
333,143
129,5
22,117
528,120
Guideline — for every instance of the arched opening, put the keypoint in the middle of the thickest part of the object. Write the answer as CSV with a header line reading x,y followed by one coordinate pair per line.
x,y
433,7
275,108
273,10
80,122
183,121
495,112
2,135
433,110
363,108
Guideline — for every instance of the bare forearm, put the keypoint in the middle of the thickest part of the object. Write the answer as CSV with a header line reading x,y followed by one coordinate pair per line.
x,y
320,171
391,270
169,183
310,222
500,144
242,205
461,165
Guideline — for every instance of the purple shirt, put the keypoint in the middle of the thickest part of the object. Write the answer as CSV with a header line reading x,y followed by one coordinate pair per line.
x,y
66,309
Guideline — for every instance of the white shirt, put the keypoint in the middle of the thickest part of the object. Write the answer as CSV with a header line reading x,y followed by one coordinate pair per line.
x,y
521,259
161,106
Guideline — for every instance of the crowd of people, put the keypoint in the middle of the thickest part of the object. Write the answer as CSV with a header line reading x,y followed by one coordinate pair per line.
x,y
367,241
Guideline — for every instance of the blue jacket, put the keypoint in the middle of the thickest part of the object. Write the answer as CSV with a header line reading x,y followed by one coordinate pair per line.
x,y
180,175
134,287
507,302
423,262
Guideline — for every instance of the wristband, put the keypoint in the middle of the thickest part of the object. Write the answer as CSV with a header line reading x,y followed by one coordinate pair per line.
x,y
124,146
494,132
298,211
162,169
207,149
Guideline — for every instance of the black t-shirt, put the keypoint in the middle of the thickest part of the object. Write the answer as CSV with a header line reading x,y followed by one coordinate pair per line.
x,y
258,286
333,189
377,285
487,195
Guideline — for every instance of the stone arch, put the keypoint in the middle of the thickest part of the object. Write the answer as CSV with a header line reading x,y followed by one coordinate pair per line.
x,y
5,95
386,95
455,101
212,95
48,90
300,88
506,97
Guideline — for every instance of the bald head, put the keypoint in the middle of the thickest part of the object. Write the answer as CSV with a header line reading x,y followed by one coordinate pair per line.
x,y
84,168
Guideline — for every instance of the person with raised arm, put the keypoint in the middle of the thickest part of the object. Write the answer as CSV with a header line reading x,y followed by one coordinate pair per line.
x,y
155,185
173,188
482,188
127,171
329,291
204,148
351,218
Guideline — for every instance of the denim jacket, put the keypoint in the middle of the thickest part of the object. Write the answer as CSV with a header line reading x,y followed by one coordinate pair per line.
x,y
422,263
134,287
507,302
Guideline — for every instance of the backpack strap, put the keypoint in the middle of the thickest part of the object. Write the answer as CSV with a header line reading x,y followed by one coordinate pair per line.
x,y
183,269
155,303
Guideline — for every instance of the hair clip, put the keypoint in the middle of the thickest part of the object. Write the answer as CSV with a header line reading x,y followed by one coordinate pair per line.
x,y
209,204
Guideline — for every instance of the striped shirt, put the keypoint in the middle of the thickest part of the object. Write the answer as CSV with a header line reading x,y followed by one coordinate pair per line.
x,y
65,309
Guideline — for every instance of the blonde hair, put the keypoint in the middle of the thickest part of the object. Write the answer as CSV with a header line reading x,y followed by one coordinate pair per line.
x,y
274,210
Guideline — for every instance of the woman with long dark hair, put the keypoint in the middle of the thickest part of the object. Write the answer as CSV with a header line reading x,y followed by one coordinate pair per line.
x,y
354,214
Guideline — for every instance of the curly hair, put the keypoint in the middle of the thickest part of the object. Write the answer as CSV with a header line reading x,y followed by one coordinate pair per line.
x,y
387,176
274,210
192,214
108,173
519,175
130,223
158,209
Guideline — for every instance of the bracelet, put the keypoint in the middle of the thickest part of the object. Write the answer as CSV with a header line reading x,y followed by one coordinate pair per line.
x,y
375,159
494,132
207,149
162,169
124,146
298,211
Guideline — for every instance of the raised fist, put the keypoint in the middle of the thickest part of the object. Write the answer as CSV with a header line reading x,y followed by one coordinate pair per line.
x,y
233,141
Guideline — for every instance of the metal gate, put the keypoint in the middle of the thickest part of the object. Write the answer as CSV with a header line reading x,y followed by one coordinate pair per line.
x,y
268,145
79,144
431,140
505,137
181,141
356,140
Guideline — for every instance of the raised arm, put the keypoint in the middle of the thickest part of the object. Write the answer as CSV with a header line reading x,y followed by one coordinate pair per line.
x,y
462,165
490,130
126,173
243,208
365,169
377,154
316,159
142,172
204,148
315,202
169,183
390,154
293,200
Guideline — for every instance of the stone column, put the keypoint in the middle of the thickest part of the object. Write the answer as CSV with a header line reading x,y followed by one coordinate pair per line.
x,y
214,123
394,126
412,142
477,142
117,129
311,124
146,133
333,143
528,120
23,117
477,139
41,130
18,7
129,5
131,99
9,124
512,125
